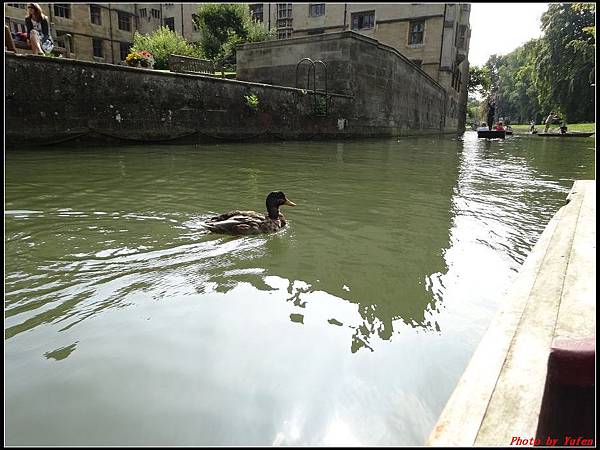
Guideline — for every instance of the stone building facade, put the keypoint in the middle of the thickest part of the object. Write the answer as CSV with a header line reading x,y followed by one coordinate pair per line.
x,y
100,32
434,36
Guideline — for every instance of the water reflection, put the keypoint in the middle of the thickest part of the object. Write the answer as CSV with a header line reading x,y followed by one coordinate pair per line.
x,y
366,305
369,229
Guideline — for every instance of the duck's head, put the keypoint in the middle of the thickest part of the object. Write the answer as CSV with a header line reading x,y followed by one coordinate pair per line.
x,y
274,201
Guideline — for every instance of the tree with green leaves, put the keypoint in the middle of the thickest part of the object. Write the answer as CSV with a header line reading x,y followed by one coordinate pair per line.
x,y
225,25
162,43
566,66
479,81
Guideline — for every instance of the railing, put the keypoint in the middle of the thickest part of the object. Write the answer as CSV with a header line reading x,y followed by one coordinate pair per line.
x,y
179,63
319,108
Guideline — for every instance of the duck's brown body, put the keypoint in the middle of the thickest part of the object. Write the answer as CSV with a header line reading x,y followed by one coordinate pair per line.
x,y
244,222
251,222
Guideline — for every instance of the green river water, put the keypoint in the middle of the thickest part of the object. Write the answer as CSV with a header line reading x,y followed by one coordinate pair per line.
x,y
127,324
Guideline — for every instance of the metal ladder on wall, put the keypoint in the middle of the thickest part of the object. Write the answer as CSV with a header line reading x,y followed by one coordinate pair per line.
x,y
320,108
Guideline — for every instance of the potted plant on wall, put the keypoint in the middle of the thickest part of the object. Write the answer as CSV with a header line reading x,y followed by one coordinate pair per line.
x,y
140,59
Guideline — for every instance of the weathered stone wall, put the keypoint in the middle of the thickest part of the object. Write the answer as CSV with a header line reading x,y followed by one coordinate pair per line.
x,y
49,100
373,91
392,95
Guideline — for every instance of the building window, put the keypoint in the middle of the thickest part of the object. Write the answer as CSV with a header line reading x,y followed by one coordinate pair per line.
x,y
284,34
363,20
143,13
461,37
257,12
170,23
316,9
155,13
65,36
124,21
124,50
416,28
62,10
195,22
98,49
18,5
284,10
95,15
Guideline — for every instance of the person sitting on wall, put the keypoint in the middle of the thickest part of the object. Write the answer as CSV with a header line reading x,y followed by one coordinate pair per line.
x,y
483,127
38,30
8,40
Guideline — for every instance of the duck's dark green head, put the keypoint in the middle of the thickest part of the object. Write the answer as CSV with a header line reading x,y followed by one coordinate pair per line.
x,y
274,201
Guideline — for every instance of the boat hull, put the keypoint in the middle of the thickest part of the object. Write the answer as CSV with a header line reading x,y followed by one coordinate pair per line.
x,y
568,134
494,134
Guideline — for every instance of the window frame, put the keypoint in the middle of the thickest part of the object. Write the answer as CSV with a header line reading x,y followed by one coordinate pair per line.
x,y
62,8
61,33
415,33
100,47
95,11
257,11
123,17
121,44
171,24
360,17
316,9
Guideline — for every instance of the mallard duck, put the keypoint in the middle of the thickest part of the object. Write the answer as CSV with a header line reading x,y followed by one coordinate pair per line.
x,y
251,222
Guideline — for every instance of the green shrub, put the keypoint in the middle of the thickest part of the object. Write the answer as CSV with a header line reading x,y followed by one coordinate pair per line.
x,y
225,25
252,101
162,43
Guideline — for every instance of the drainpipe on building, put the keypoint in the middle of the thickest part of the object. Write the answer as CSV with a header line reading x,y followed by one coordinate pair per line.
x,y
269,16
182,20
345,13
442,42
440,67
112,47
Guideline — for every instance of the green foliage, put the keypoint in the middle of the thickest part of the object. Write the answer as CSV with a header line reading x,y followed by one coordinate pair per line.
x,y
569,65
225,25
252,101
162,43
479,80
320,105
473,106
552,73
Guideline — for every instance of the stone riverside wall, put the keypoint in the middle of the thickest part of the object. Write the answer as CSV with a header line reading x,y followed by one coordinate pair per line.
x,y
373,91
55,100
392,95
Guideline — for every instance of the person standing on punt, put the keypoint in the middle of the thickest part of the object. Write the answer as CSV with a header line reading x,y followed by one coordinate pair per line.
x,y
551,117
490,114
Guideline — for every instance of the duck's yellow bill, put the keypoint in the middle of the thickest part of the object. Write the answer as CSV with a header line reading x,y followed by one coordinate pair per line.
x,y
287,202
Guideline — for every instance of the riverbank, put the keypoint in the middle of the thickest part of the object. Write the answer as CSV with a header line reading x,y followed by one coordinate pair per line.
x,y
588,127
